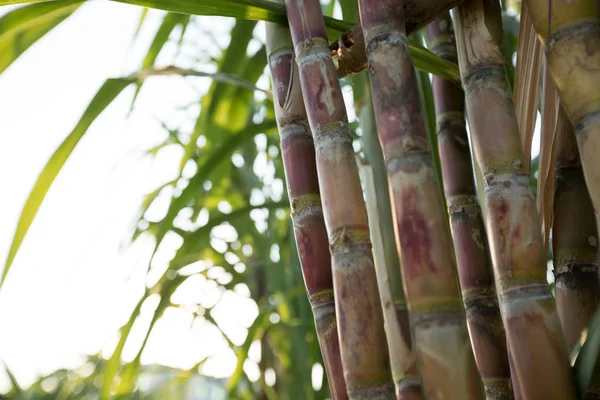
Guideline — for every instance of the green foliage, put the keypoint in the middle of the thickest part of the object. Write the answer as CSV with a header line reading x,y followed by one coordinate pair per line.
x,y
23,27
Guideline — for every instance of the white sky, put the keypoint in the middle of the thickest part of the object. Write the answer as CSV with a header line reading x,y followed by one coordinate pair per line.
x,y
72,284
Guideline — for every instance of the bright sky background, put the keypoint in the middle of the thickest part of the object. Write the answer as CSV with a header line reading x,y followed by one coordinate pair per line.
x,y
73,283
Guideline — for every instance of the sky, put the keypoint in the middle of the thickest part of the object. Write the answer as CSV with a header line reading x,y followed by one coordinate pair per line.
x,y
74,282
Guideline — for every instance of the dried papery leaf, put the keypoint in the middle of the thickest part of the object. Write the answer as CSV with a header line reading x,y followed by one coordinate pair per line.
x,y
554,122
527,81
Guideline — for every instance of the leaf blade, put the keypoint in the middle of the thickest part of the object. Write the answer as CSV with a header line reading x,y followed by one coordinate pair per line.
x,y
24,26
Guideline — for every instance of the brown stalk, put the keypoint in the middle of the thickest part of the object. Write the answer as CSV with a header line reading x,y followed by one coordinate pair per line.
x,y
387,263
442,342
303,188
363,343
574,241
466,222
535,338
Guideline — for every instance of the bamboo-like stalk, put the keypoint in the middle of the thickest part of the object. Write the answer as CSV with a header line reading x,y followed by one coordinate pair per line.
x,y
574,241
442,341
298,155
532,326
571,33
466,222
363,343
387,264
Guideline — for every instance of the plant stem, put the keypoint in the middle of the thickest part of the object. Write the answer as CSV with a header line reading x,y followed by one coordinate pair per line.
x,y
468,232
387,263
442,342
298,155
533,331
362,338
574,241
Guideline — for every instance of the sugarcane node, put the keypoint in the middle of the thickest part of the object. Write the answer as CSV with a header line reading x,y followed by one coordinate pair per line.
x,y
442,313
587,31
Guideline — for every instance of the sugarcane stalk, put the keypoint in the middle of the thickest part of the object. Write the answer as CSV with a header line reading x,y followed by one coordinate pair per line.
x,y
363,343
350,47
570,31
442,342
298,155
535,338
466,222
387,264
574,241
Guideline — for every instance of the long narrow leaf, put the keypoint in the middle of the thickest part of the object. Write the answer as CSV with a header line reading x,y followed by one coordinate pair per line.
x,y
13,380
107,93
169,23
256,10
21,28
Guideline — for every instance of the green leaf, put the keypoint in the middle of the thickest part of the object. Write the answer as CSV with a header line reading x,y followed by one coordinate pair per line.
x,y
21,28
220,77
188,252
169,23
585,355
140,24
425,60
113,364
107,93
15,385
255,10
256,330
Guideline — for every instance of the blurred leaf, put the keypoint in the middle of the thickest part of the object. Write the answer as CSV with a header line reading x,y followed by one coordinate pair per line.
x,y
107,93
233,61
585,355
188,252
169,23
21,28
15,385
143,16
256,330
113,364
221,154
221,77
